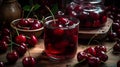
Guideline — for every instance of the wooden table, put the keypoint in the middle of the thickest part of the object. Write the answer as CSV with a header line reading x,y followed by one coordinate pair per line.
x,y
42,61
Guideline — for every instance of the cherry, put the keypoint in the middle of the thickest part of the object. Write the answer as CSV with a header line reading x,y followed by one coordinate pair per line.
x,y
118,63
116,47
94,15
3,46
32,41
60,13
12,57
104,19
102,56
62,20
91,50
2,64
6,32
21,50
28,61
20,39
93,61
23,22
112,36
6,39
82,56
96,23
73,14
115,26
35,26
58,31
100,48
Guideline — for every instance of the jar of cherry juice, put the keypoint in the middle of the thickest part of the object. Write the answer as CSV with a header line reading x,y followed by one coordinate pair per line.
x,y
61,37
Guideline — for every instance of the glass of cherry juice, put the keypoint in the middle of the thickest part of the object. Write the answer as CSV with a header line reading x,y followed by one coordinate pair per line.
x,y
61,37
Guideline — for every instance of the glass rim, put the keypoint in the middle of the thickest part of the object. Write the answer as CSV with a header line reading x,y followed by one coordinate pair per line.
x,y
48,20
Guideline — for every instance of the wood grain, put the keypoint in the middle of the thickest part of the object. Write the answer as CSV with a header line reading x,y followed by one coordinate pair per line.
x,y
43,61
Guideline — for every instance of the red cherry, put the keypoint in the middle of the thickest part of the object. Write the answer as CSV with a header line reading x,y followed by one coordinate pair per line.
x,y
88,24
91,51
12,57
20,39
28,62
82,56
96,23
36,26
62,20
3,46
6,32
2,64
102,56
100,48
112,36
6,38
93,61
118,63
104,19
23,22
116,47
32,41
21,50
58,31
94,15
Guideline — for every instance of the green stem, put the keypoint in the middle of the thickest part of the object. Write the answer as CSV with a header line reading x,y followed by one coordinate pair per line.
x,y
30,11
51,13
11,42
17,32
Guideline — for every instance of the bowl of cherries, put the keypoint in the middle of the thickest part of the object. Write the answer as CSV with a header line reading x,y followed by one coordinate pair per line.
x,y
27,26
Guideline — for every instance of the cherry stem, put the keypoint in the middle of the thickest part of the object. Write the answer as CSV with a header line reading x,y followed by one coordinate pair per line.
x,y
11,42
17,32
51,14
92,39
30,11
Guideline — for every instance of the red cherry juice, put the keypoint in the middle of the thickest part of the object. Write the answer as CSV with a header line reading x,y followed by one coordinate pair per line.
x,y
61,38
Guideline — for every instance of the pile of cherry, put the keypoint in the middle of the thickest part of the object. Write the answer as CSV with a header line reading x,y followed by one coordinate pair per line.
x,y
114,35
93,55
18,45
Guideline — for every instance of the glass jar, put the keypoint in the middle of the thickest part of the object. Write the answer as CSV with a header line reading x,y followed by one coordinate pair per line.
x,y
91,13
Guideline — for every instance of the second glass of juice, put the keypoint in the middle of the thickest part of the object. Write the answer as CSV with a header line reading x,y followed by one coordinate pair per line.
x,y
61,37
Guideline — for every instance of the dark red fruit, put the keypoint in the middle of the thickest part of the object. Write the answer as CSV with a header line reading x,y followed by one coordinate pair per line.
x,y
115,26
32,41
23,23
28,62
102,56
20,39
82,56
118,63
12,57
36,25
2,64
112,36
91,51
58,31
6,32
94,16
3,46
100,48
62,20
93,61
21,50
6,39
116,47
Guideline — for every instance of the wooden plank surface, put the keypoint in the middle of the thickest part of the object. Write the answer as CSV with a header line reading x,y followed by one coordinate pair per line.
x,y
42,61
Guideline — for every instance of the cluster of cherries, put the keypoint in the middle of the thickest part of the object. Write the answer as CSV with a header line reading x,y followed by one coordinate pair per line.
x,y
90,16
114,34
93,55
29,24
19,44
